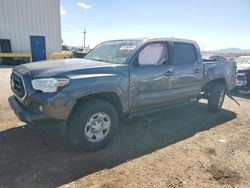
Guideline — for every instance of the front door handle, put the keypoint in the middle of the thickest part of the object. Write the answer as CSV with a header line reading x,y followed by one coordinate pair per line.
x,y
169,73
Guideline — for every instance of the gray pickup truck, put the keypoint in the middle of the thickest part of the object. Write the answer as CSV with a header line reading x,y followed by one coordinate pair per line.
x,y
116,79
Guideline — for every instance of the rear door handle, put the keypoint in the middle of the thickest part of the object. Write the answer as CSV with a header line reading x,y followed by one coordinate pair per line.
x,y
197,71
169,73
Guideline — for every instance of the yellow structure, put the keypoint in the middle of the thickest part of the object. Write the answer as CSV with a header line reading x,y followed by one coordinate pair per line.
x,y
29,55
59,55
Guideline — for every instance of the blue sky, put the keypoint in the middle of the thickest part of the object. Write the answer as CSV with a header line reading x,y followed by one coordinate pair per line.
x,y
214,24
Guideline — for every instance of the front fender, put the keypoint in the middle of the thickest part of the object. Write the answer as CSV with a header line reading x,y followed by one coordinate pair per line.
x,y
103,88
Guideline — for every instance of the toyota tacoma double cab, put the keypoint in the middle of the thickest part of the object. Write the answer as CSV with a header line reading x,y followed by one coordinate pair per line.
x,y
117,79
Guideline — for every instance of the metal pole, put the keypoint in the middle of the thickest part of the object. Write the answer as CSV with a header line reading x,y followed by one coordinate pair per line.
x,y
84,37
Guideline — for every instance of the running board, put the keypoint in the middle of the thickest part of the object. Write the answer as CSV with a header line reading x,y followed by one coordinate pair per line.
x,y
147,114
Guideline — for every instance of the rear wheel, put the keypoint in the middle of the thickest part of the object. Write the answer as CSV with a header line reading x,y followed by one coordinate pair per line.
x,y
93,125
216,96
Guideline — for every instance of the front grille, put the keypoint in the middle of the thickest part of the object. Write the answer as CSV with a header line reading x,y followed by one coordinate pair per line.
x,y
243,71
241,77
17,85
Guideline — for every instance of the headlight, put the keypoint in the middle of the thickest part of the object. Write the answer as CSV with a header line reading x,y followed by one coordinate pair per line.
x,y
49,85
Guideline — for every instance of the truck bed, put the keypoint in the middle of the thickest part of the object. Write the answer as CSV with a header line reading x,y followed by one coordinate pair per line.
x,y
219,69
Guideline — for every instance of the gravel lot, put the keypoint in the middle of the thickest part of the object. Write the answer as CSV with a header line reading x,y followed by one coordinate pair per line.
x,y
187,147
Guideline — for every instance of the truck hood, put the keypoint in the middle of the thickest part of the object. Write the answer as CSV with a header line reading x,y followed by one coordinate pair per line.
x,y
67,68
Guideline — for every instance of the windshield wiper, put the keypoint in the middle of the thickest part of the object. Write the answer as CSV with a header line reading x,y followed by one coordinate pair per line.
x,y
99,60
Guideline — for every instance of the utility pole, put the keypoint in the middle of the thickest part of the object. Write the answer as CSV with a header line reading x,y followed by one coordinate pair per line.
x,y
84,32
203,47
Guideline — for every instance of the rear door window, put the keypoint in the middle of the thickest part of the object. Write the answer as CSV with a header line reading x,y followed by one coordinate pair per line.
x,y
184,53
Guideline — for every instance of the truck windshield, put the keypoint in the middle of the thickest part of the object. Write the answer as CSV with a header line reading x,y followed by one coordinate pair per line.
x,y
114,51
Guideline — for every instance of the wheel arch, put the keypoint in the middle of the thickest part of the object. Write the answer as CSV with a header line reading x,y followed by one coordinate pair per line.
x,y
210,84
108,96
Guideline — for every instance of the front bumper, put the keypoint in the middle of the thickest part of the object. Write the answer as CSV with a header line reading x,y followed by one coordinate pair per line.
x,y
23,114
243,89
56,108
243,86
241,83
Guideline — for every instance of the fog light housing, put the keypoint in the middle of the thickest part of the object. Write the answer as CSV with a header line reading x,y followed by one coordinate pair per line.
x,y
40,107
37,108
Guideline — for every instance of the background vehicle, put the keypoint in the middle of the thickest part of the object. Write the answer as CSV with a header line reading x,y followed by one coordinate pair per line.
x,y
116,79
80,52
214,57
65,48
243,75
217,58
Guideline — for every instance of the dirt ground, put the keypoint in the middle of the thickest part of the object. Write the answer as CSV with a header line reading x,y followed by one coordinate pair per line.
x,y
187,147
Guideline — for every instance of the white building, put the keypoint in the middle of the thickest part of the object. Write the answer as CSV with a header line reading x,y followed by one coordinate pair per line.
x,y
30,26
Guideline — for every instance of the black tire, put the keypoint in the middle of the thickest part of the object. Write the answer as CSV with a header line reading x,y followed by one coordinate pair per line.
x,y
215,93
78,122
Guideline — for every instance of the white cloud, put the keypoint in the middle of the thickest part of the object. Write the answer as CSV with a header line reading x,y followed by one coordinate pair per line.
x,y
62,11
84,5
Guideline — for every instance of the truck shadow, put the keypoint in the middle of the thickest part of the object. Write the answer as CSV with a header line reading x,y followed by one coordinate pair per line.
x,y
35,156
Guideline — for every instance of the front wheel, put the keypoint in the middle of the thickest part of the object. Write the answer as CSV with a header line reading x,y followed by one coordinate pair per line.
x,y
216,97
93,125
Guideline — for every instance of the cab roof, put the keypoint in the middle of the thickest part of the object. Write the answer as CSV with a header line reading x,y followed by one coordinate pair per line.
x,y
152,39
